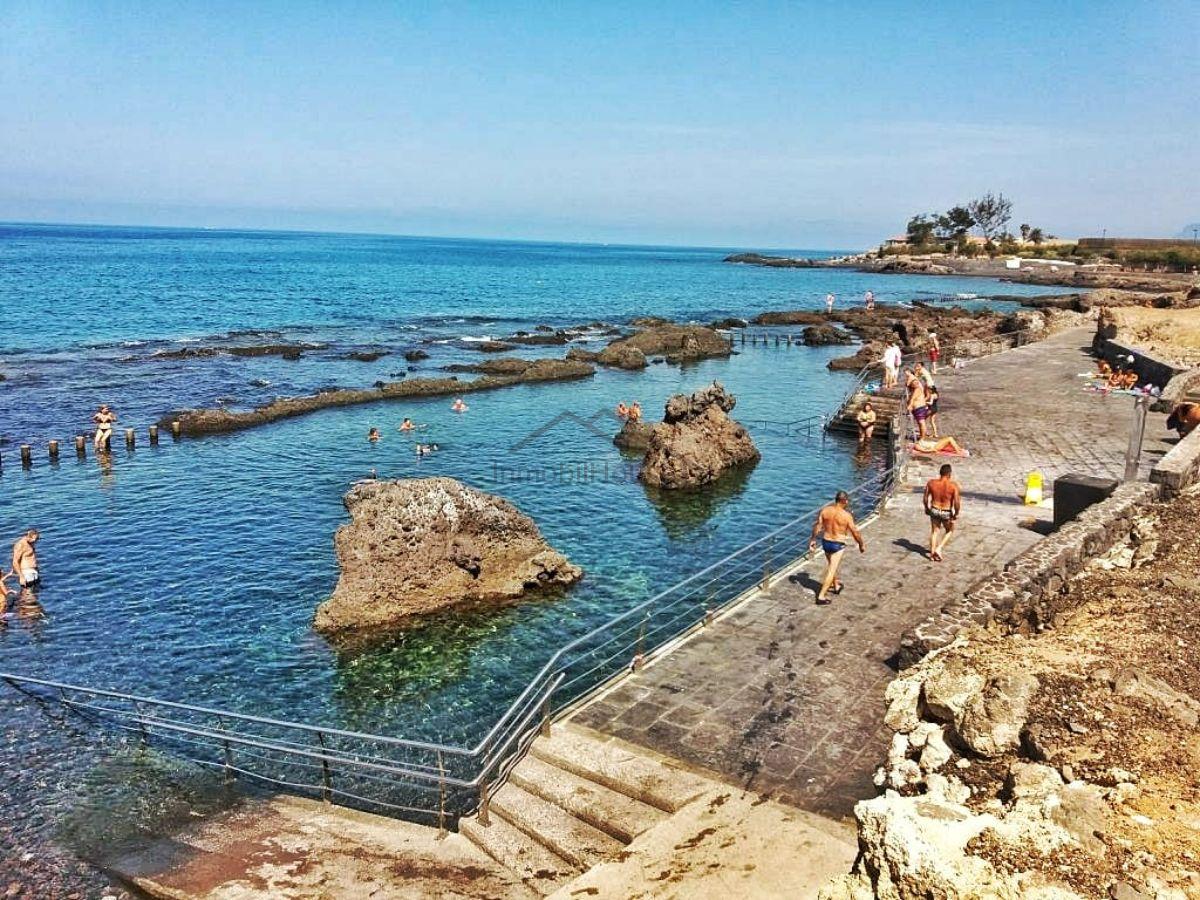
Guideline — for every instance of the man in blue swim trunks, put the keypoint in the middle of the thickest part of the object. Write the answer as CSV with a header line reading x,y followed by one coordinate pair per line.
x,y
834,527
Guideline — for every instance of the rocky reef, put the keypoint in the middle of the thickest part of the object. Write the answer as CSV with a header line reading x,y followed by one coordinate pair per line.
x,y
416,546
218,420
697,441
1054,763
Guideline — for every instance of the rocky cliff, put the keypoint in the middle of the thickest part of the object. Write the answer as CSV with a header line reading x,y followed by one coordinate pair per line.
x,y
697,441
419,545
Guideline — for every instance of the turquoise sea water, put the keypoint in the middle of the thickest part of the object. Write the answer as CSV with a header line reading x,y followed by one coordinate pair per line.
x,y
191,571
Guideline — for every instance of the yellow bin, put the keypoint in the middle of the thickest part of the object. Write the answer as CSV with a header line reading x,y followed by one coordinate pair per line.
x,y
1033,489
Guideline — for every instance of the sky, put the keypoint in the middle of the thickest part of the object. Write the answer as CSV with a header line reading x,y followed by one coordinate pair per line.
x,y
754,125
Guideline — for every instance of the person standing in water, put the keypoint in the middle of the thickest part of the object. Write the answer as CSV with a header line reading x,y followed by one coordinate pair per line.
x,y
866,423
943,504
869,299
24,559
104,418
835,527
458,405
829,298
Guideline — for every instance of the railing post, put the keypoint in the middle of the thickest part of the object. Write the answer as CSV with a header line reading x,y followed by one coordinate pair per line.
x,y
483,803
326,777
229,774
766,579
544,728
639,658
441,797
137,708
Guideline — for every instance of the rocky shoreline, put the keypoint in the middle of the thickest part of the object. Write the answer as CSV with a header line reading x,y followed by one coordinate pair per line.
x,y
1064,274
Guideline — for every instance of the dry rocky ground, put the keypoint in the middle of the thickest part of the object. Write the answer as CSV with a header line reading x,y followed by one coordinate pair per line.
x,y
1170,334
1059,764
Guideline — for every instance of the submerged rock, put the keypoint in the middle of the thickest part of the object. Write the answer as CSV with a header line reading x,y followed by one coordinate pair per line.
x,y
696,442
419,545
822,335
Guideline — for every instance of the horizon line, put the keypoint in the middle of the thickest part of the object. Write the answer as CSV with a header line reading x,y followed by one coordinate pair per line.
x,y
421,237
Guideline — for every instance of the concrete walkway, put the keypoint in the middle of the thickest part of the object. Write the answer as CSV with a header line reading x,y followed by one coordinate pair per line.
x,y
784,697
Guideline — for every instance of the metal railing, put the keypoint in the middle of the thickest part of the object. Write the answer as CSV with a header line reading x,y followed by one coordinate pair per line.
x,y
427,780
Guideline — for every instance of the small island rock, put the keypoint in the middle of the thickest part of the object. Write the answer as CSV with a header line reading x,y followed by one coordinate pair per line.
x,y
419,545
696,442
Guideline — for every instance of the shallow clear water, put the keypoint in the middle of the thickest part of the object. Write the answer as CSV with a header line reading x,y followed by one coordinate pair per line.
x,y
191,570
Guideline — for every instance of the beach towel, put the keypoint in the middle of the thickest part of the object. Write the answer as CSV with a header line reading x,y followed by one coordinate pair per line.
x,y
913,449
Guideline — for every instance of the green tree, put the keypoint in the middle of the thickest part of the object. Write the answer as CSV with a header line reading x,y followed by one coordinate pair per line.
x,y
954,223
1035,235
920,230
991,214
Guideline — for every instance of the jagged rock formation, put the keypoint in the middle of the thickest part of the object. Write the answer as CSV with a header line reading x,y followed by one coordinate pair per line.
x,y
419,545
696,442
823,335
678,343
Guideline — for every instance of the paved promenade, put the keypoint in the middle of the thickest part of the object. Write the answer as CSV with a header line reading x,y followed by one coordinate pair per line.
x,y
785,697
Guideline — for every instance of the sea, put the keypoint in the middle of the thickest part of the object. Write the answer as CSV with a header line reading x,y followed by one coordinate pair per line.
x,y
190,570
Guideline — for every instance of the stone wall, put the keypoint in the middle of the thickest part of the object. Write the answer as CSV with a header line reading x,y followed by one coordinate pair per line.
x,y
1031,591
1176,390
1180,468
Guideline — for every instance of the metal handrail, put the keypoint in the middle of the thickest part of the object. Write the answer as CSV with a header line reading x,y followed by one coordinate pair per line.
x,y
628,638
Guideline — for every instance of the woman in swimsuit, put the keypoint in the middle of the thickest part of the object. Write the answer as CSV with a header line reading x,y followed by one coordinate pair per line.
x,y
939,445
635,412
104,419
622,410
933,409
407,424
866,424
458,405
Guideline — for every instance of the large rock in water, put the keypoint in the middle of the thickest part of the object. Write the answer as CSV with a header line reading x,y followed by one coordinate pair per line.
x,y
419,545
696,442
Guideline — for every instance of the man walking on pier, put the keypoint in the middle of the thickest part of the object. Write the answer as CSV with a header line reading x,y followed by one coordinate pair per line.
x,y
943,503
835,526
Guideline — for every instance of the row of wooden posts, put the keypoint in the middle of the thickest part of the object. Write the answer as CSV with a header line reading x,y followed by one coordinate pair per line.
x,y
81,442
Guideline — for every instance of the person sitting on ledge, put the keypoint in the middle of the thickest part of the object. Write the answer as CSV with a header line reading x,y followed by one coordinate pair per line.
x,y
945,444
635,411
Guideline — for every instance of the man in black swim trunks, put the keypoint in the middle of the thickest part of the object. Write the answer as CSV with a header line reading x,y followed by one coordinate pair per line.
x,y
943,503
835,526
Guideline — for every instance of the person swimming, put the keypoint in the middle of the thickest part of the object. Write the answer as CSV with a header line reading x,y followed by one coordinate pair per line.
x,y
373,435
426,449
622,410
458,405
407,424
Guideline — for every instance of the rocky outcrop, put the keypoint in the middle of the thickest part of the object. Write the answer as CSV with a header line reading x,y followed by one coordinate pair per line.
x,y
697,441
790,317
217,421
419,545
634,435
415,355
825,335
678,343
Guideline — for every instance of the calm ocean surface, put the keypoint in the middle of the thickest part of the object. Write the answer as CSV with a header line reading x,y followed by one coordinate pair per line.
x,y
191,570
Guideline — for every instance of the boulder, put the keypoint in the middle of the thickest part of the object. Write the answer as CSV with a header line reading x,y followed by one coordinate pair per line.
x,y
992,719
696,442
634,435
726,324
948,689
825,335
678,343
621,356
578,354
790,317
415,355
420,545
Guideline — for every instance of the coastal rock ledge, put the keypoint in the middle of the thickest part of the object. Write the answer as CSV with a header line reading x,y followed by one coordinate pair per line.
x,y
696,442
419,545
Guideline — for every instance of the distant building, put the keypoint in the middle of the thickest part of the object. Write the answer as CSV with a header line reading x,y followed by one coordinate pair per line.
x,y
899,240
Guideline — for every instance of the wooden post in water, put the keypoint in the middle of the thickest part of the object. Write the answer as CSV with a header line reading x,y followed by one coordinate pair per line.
x,y
789,339
743,336
80,446
153,435
776,340
54,451
130,438
176,429
26,455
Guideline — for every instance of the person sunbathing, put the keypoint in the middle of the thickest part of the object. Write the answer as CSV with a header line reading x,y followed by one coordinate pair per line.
x,y
1129,382
945,444
1104,369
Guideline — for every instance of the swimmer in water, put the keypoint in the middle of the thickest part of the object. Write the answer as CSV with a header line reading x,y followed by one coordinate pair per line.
x,y
622,410
407,424
458,405
635,412
373,435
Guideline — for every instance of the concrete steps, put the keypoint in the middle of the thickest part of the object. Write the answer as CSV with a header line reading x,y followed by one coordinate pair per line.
x,y
574,803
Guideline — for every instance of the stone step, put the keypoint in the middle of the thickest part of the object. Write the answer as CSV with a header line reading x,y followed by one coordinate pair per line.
x,y
536,864
571,838
613,813
605,762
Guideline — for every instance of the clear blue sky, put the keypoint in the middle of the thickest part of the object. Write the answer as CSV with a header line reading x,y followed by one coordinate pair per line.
x,y
750,124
